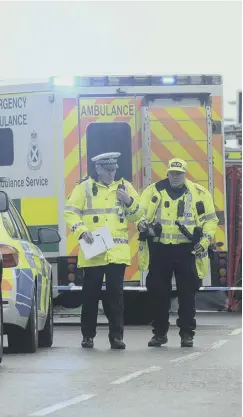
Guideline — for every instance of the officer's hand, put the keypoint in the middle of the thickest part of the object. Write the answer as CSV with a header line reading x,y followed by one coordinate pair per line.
x,y
142,226
87,237
123,196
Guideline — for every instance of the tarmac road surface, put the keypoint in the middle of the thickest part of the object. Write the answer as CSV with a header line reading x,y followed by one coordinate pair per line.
x,y
68,381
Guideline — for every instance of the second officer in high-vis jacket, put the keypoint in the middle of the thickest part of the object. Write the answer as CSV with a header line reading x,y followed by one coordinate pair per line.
x,y
99,201
182,224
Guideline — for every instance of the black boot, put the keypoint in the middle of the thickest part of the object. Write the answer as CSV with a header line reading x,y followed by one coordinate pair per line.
x,y
186,340
87,342
117,343
157,341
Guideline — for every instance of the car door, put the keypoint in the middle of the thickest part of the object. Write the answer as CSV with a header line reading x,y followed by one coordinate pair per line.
x,y
1,311
37,261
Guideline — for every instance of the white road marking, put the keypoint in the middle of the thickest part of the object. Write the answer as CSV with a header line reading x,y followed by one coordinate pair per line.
x,y
64,404
76,400
194,355
181,359
218,344
235,332
136,374
187,357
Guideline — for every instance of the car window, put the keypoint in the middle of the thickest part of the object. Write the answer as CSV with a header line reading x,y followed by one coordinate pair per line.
x,y
24,233
10,225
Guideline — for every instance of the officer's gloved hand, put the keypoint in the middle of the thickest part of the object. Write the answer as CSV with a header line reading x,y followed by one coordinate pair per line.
x,y
123,196
142,226
87,237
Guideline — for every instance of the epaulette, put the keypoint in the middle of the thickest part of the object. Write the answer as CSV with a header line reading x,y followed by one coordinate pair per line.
x,y
82,180
200,188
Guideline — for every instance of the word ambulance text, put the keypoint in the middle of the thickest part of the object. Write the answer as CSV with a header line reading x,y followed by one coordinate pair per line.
x,y
98,110
15,118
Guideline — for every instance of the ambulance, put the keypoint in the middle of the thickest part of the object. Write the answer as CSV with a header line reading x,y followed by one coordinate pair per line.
x,y
50,130
233,144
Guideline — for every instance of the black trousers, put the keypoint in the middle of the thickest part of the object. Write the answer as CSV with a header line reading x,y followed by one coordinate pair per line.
x,y
93,279
164,260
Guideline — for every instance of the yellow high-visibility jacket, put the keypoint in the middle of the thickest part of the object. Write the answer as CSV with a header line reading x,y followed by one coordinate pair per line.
x,y
159,207
92,205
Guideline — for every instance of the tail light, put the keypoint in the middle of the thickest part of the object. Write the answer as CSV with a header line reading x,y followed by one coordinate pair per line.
x,y
10,256
222,268
71,270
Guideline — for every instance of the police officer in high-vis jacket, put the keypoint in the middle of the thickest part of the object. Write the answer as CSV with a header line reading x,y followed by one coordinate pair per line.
x,y
182,218
99,201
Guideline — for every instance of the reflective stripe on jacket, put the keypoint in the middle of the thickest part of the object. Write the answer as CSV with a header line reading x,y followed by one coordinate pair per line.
x,y
92,205
160,207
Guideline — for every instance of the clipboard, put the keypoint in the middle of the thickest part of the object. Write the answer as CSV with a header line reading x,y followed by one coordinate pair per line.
x,y
103,241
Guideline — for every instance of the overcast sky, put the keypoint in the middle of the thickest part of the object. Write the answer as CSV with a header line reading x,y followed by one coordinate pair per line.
x,y
40,39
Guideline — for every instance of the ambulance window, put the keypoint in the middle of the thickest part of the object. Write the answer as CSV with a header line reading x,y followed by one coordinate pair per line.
x,y
111,137
6,147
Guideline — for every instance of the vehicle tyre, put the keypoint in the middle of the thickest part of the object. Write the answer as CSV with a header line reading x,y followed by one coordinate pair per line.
x,y
26,341
46,335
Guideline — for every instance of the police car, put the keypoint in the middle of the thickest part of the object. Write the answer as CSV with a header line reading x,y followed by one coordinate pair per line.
x,y
26,282
1,311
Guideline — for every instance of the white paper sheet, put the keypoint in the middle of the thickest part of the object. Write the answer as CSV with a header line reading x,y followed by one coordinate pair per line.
x,y
102,242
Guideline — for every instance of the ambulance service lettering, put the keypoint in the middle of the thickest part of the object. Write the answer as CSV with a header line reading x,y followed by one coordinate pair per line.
x,y
98,110
13,111
27,182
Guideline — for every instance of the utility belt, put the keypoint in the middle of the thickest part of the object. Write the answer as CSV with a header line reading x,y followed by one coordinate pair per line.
x,y
154,233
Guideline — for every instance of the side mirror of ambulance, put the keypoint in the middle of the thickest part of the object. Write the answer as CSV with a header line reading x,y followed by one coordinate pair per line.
x,y
48,235
4,202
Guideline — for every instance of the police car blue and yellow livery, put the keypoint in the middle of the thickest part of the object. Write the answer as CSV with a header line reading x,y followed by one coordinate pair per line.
x,y
26,286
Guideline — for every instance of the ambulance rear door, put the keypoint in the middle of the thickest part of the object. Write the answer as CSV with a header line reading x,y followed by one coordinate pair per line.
x,y
179,127
112,124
